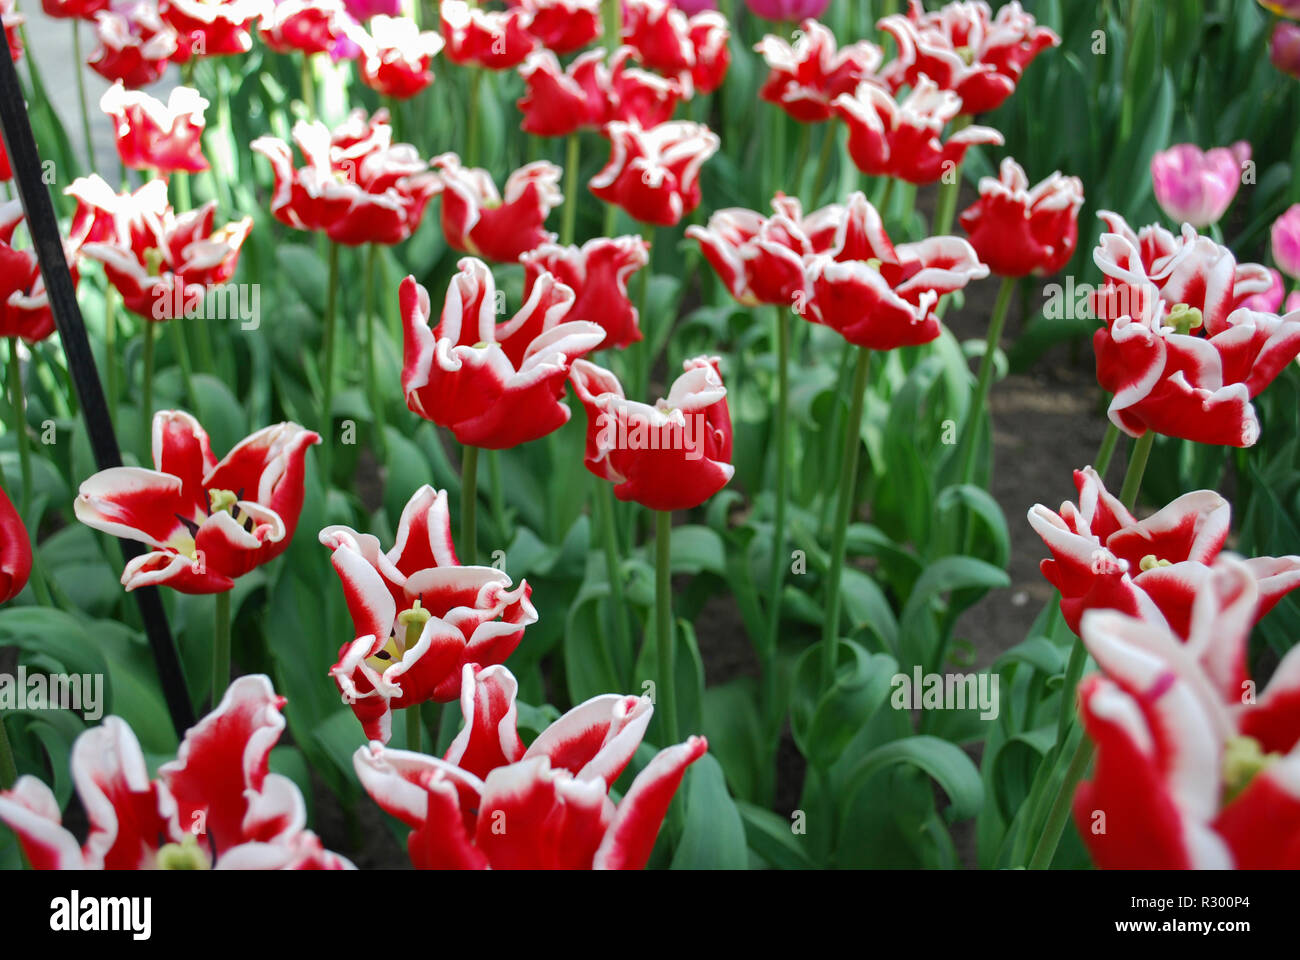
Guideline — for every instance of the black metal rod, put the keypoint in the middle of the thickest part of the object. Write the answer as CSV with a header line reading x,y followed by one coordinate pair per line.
x,y
47,241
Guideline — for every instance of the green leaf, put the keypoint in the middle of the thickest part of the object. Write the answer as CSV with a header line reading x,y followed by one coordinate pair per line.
x,y
714,835
824,723
771,837
947,764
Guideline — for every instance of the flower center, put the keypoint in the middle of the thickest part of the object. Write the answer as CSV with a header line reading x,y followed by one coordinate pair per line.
x,y
186,855
153,261
1151,561
222,501
1243,759
410,624
1185,319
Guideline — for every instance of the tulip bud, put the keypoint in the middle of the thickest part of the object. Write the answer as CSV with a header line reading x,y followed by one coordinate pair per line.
x,y
1286,242
1284,48
785,10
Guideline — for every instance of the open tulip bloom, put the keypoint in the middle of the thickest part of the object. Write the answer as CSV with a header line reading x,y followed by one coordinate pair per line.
x,y
357,185
152,135
494,385
1194,768
670,456
214,28
135,44
206,523
589,93
477,220
15,551
1017,230
562,26
493,39
165,268
1180,354
692,49
396,56
965,49
491,803
420,617
216,805
597,273
1105,559
807,76
654,174
880,296
888,138
24,305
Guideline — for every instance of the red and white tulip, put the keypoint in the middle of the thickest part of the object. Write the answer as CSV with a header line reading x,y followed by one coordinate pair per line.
x,y
152,135
1103,558
597,273
493,804
806,77
1194,769
673,455
206,523
356,185
419,616
396,55
905,140
494,385
964,48
1018,230
476,219
654,174
216,805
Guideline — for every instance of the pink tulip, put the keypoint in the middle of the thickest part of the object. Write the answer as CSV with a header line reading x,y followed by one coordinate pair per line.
x,y
692,7
1286,242
1197,187
1269,300
1284,48
785,10
1292,303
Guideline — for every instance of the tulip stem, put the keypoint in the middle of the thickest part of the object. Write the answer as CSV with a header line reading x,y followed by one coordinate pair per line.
x,y
19,403
8,772
945,208
1045,851
146,386
327,374
1050,838
1137,466
823,162
308,87
468,503
471,123
571,159
183,358
414,734
220,647
848,480
667,694
81,94
1106,450
980,400
776,578
613,570
110,349
369,310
